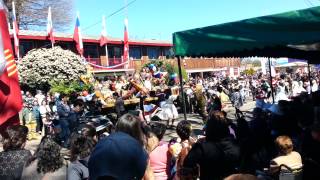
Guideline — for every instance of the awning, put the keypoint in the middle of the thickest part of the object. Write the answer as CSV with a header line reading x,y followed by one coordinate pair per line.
x,y
287,34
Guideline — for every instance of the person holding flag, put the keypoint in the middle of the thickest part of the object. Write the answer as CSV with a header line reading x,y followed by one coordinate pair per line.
x,y
103,38
15,31
50,28
77,37
10,93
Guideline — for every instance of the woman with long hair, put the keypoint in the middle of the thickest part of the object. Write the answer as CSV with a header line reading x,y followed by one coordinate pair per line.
x,y
218,156
47,163
14,156
122,154
81,148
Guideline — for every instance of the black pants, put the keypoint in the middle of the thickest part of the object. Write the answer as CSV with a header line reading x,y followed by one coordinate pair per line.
x,y
39,124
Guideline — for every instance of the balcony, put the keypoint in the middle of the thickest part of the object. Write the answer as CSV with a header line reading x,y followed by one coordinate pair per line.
x,y
190,64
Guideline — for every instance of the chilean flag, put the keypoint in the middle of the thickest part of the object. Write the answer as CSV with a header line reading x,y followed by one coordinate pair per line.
x,y
50,27
103,38
126,41
10,93
15,30
77,36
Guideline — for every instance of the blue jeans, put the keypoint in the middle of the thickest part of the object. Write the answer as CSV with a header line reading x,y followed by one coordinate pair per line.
x,y
65,131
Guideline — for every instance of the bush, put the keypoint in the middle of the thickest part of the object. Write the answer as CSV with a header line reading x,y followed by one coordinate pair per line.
x,y
69,87
42,66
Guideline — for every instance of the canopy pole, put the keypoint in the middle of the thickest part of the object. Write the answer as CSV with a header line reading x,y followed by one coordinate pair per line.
x,y
181,88
271,86
309,76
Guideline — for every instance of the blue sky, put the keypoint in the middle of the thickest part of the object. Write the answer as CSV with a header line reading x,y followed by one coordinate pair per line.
x,y
158,19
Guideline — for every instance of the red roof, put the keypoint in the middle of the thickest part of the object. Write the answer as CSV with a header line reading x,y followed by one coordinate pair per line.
x,y
41,35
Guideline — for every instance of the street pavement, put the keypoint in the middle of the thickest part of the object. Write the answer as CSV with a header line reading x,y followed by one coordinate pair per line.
x,y
197,122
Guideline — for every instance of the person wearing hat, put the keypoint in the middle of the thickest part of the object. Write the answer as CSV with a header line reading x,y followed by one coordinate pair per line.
x,y
121,155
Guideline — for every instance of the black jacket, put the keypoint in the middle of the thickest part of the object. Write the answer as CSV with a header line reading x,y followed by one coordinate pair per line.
x,y
215,159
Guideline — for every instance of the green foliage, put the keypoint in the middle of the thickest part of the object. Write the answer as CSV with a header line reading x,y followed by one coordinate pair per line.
x,y
256,63
183,71
69,87
157,63
167,67
249,71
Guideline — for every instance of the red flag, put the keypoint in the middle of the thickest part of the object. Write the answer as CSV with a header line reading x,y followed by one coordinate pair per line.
x,y
10,93
77,36
15,30
103,38
126,41
49,27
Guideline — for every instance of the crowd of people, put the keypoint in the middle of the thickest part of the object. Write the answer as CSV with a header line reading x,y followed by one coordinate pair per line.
x,y
281,139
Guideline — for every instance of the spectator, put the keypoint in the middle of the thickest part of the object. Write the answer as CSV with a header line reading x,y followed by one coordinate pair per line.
x,y
45,113
241,177
63,110
310,153
46,163
81,148
14,156
159,155
218,156
236,99
121,155
184,130
119,105
39,96
75,114
287,156
90,132
37,117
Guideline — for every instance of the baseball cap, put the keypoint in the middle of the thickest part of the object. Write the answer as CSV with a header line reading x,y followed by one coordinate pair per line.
x,y
119,156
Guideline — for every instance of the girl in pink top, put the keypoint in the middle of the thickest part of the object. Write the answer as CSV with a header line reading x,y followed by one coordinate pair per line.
x,y
160,156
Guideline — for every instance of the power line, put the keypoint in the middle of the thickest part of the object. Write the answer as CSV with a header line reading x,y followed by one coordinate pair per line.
x,y
112,14
98,22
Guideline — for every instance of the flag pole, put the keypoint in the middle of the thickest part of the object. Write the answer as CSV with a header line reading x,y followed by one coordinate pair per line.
x,y
271,85
105,33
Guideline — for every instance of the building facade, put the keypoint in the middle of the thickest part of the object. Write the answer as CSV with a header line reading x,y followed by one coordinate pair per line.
x,y
140,52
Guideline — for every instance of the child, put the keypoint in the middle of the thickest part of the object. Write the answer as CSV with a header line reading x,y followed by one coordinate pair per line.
x,y
182,146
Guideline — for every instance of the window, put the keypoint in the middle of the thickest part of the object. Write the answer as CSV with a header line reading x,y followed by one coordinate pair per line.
x,y
91,51
117,52
135,52
153,52
168,52
25,46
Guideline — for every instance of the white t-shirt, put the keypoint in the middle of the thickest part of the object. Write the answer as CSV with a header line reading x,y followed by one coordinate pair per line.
x,y
292,160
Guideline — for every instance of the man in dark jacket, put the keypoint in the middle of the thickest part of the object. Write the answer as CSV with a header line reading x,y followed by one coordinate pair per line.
x,y
218,156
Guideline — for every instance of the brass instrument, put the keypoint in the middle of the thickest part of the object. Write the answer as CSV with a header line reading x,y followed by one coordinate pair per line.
x,y
139,87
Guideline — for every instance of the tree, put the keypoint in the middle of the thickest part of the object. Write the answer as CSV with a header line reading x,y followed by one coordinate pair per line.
x,y
32,14
256,63
42,67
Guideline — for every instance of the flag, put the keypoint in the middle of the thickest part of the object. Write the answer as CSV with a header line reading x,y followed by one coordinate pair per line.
x,y
15,30
77,36
10,93
126,41
50,27
103,38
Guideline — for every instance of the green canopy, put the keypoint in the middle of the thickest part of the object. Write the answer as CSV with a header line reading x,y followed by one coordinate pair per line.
x,y
287,34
